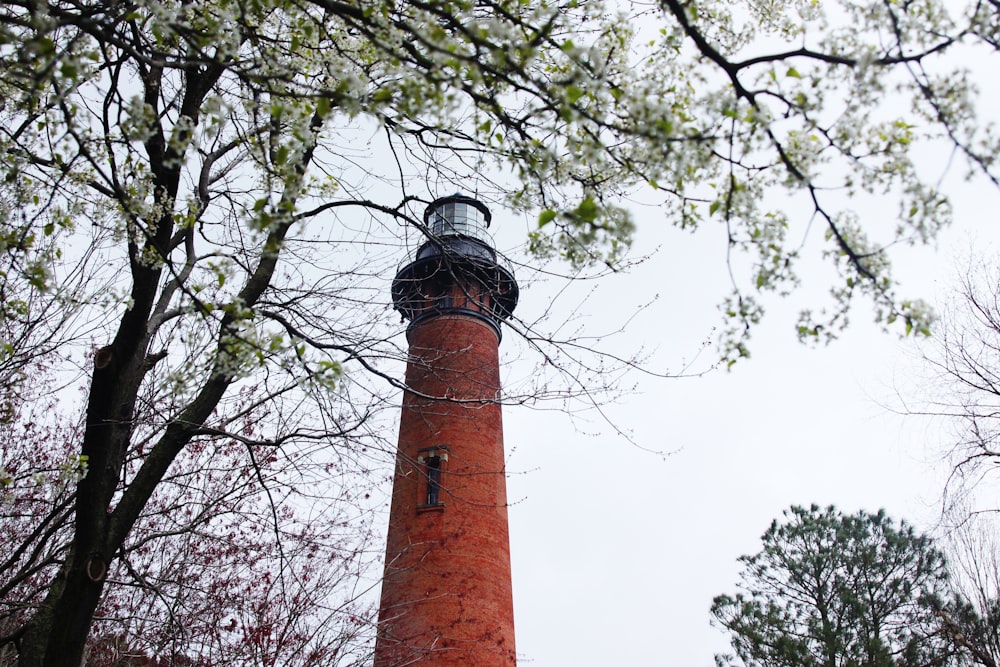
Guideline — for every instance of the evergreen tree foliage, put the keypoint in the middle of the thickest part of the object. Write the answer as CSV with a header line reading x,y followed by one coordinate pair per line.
x,y
835,590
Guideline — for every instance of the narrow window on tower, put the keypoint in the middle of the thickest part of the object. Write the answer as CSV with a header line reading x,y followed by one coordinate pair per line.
x,y
433,480
432,462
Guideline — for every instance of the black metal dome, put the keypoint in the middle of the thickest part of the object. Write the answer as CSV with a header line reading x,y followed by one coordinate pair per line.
x,y
457,269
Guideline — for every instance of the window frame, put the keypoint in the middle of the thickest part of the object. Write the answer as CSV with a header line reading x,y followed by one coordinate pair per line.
x,y
432,463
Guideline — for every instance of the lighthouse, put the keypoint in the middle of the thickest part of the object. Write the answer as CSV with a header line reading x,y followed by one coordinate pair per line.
x,y
446,591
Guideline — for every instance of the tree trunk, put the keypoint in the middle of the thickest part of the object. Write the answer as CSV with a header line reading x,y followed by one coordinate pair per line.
x,y
57,636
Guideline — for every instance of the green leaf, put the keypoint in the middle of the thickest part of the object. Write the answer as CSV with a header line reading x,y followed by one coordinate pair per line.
x,y
545,217
281,155
587,210
323,106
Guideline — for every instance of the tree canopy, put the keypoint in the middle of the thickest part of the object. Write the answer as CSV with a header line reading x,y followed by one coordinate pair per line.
x,y
707,107
201,202
862,590
837,590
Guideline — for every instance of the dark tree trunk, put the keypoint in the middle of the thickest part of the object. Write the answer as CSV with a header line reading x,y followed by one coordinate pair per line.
x,y
57,635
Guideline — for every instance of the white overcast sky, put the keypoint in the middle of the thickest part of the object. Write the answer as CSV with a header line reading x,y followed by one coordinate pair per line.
x,y
618,552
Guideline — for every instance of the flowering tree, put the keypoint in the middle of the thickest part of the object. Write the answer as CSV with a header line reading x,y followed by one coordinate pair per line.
x,y
210,195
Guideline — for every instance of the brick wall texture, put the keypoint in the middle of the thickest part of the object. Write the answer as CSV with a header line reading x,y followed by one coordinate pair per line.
x,y
446,595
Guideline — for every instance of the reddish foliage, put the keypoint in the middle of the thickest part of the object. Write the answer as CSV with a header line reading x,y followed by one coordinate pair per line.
x,y
245,555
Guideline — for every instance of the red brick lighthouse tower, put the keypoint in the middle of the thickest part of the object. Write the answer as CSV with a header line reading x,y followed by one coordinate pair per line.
x,y
446,593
